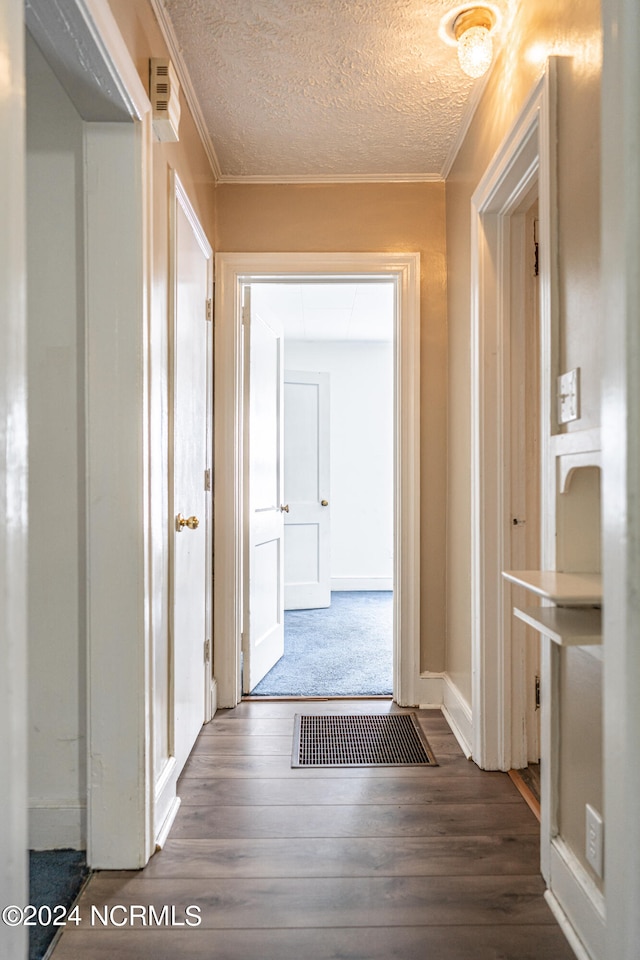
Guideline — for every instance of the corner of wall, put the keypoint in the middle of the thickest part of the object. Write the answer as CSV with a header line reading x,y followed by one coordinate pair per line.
x,y
57,826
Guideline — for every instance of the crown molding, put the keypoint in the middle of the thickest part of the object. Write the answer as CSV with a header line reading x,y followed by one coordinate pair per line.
x,y
337,178
188,89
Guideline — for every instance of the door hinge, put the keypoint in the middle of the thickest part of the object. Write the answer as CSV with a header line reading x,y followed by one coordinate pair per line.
x,y
536,250
207,479
537,693
207,650
210,309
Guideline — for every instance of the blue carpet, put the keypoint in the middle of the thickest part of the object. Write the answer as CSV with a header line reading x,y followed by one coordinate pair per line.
x,y
343,650
55,877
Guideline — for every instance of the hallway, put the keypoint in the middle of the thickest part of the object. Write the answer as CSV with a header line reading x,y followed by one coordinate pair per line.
x,y
367,864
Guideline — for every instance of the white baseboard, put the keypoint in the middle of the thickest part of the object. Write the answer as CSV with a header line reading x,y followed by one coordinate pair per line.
x,y
438,690
361,583
459,716
577,903
57,826
163,832
427,693
214,698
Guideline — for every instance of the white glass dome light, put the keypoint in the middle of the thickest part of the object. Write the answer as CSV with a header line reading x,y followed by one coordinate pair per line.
x,y
472,29
475,51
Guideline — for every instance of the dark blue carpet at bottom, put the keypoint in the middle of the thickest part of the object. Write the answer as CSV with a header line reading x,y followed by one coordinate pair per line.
x,y
55,877
343,650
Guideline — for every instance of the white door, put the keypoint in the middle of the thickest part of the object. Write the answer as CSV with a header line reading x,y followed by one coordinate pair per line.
x,y
524,519
190,526
307,582
263,628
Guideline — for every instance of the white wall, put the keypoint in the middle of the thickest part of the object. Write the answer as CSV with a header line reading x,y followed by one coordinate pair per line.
x,y
361,450
55,303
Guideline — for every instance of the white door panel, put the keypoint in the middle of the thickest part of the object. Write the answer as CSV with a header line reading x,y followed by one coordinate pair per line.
x,y
189,496
182,674
306,490
264,568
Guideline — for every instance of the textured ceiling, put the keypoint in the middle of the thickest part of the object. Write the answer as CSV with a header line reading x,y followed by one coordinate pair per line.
x,y
323,88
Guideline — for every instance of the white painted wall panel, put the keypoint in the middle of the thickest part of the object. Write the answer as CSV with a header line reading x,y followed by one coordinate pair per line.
x,y
55,303
361,442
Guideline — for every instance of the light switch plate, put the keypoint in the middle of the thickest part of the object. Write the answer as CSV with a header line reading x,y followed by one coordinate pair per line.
x,y
569,396
594,840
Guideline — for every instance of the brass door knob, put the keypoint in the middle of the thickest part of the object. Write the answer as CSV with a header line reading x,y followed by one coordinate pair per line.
x,y
181,522
324,503
284,508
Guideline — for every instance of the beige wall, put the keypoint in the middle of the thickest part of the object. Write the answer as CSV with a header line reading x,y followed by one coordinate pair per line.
x,y
536,30
394,217
548,27
144,40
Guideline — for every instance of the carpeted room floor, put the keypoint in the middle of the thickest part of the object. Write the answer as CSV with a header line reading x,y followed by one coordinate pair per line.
x,y
55,878
342,650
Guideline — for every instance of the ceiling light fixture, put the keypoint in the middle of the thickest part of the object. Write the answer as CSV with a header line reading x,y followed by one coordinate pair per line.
x,y
470,28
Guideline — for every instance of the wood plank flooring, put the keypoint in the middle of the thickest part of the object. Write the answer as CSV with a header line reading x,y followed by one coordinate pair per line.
x,y
406,863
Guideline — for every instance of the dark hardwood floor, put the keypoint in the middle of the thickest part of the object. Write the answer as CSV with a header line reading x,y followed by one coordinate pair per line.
x,y
405,863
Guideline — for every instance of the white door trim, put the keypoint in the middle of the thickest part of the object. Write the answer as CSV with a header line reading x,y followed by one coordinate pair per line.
x,y
524,159
231,270
122,545
13,481
621,474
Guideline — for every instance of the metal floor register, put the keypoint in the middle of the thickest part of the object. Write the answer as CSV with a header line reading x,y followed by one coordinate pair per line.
x,y
378,740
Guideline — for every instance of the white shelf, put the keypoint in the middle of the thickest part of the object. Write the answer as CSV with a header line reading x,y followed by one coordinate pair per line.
x,y
570,589
567,626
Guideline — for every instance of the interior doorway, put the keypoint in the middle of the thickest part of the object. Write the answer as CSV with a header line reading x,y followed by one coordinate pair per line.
x,y
505,725
336,379
234,271
525,488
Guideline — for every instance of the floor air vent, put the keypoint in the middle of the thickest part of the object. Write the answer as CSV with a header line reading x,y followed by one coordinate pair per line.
x,y
386,740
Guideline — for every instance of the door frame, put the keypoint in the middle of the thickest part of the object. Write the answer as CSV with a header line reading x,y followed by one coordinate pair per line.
x,y
13,482
525,159
621,476
122,383
232,271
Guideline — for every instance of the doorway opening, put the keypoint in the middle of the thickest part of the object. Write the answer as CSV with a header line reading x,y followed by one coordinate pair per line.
x,y
524,491
512,323
235,272
334,570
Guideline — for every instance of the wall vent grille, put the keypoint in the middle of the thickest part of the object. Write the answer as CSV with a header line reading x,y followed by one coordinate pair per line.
x,y
164,92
